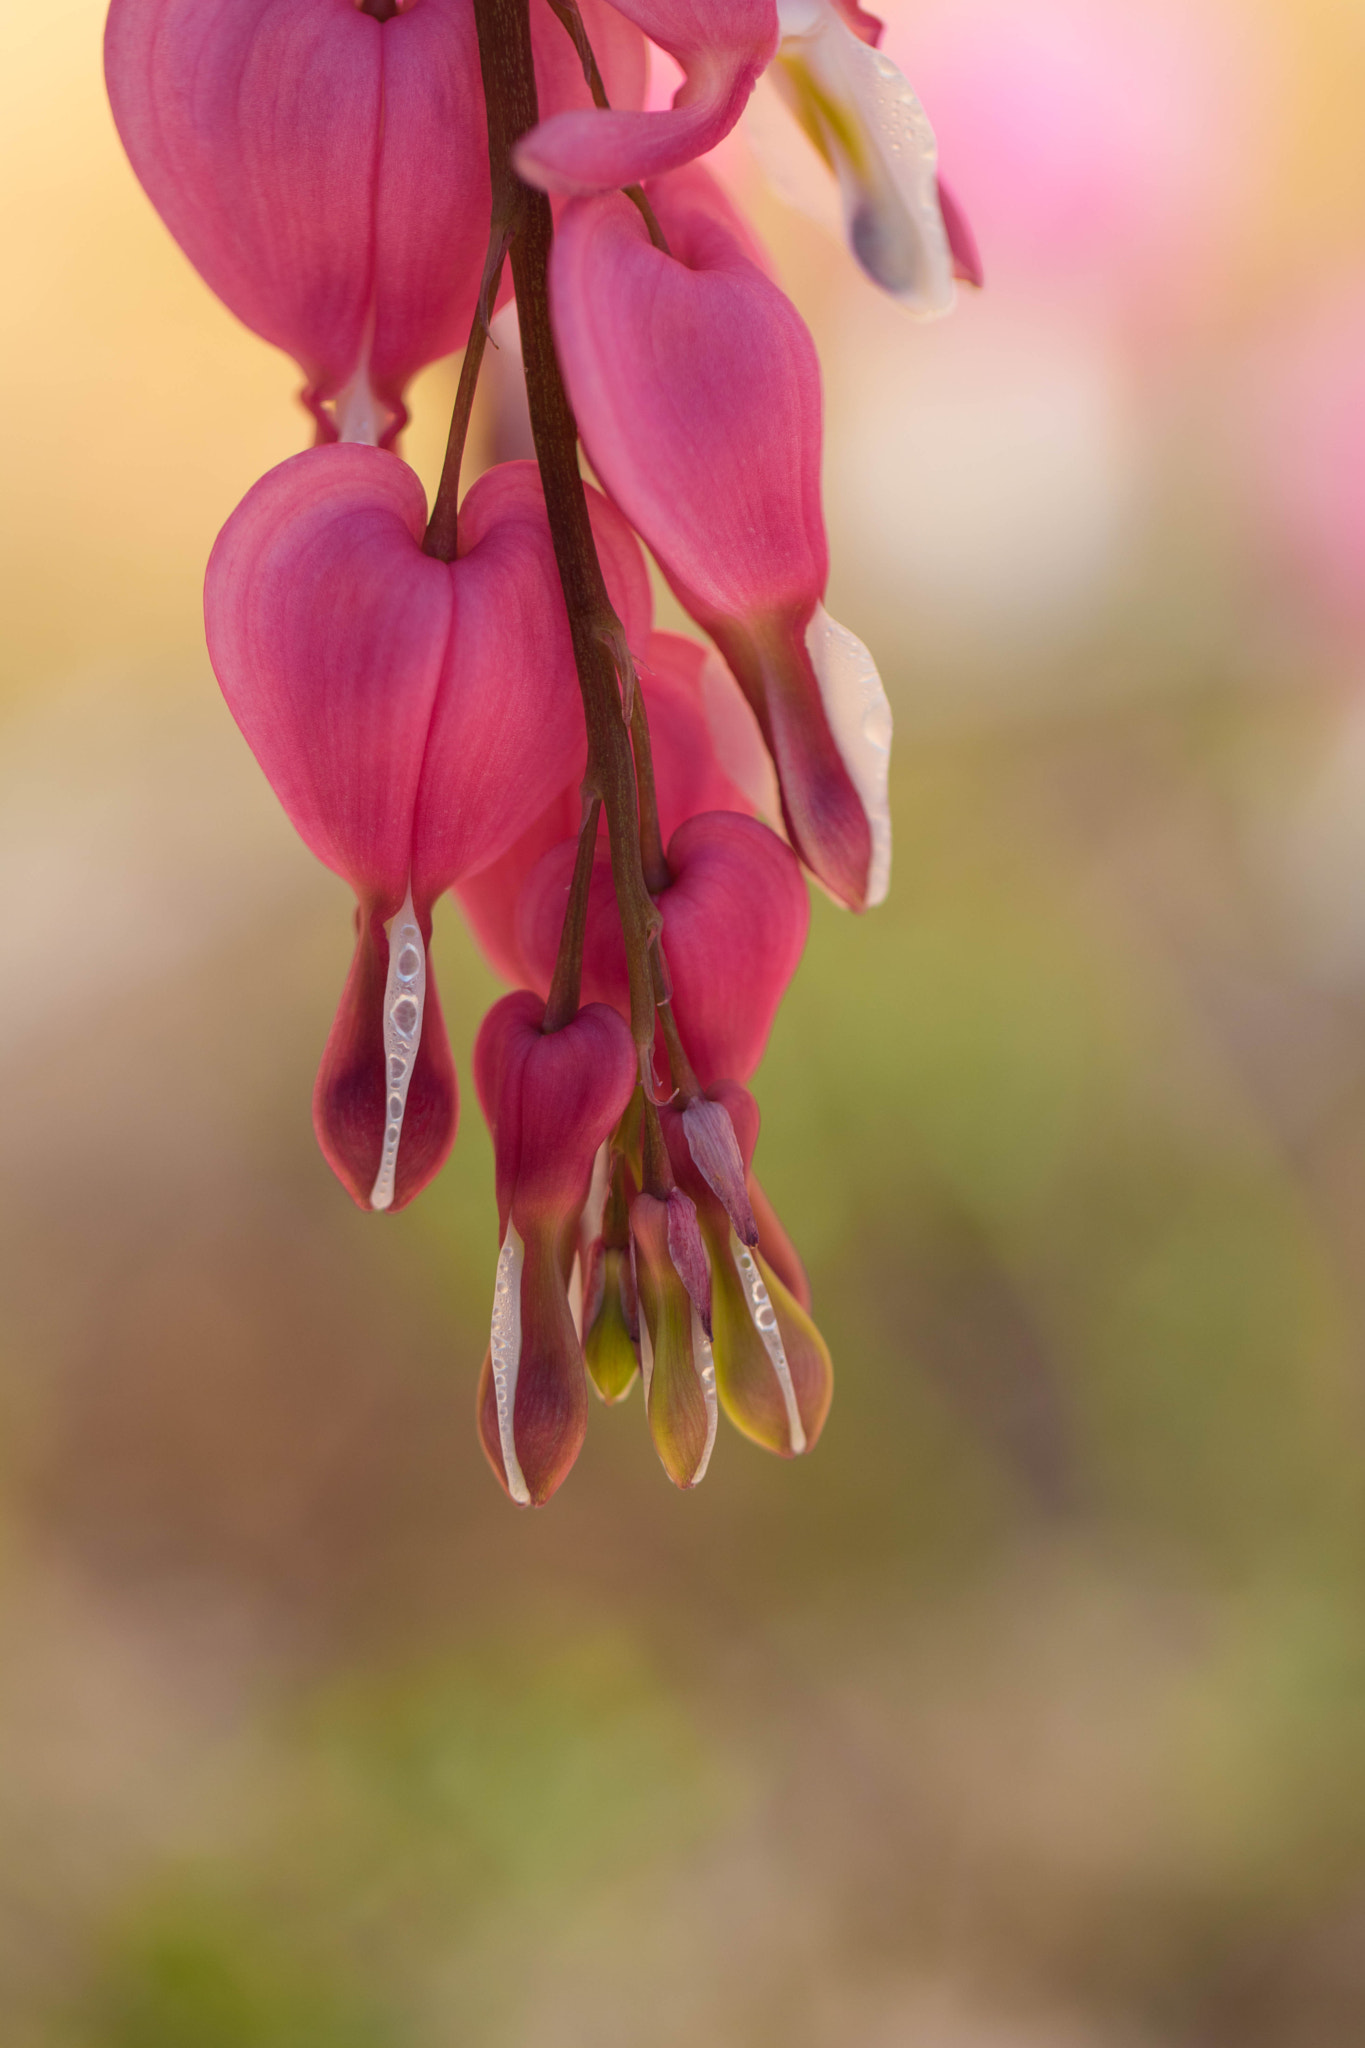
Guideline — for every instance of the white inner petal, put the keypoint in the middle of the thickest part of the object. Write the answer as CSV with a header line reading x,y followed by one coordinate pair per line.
x,y
888,177
359,414
405,997
505,1344
860,719
706,1373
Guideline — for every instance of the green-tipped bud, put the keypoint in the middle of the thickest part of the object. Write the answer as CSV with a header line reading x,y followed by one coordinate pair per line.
x,y
609,1345
773,1371
675,1353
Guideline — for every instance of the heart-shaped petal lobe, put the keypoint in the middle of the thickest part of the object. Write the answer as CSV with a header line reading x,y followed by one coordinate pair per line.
x,y
735,922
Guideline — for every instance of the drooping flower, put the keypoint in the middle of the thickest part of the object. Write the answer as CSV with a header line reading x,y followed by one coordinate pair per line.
x,y
735,917
412,716
722,46
708,756
697,393
773,1370
324,166
550,1099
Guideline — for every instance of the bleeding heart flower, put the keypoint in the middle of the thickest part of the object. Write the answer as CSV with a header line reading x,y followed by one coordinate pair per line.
x,y
722,46
325,168
697,392
735,920
412,716
773,1370
551,1099
708,756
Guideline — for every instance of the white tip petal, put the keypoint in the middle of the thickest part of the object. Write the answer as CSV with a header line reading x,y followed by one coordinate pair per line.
x,y
706,1373
505,1344
765,1322
405,997
860,719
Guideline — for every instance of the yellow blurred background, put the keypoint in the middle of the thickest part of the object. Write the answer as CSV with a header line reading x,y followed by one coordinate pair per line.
x,y
1030,1711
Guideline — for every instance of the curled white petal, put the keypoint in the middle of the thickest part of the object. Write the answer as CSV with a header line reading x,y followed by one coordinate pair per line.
x,y
405,995
505,1345
862,117
860,720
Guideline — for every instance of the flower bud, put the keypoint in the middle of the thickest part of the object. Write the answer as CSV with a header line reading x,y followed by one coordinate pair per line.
x,y
773,1370
611,1312
551,1099
697,391
704,742
675,1313
735,920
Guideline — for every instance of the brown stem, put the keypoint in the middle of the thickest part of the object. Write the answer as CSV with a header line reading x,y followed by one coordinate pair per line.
x,y
509,83
442,535
657,873
658,1178
681,1068
566,987
566,11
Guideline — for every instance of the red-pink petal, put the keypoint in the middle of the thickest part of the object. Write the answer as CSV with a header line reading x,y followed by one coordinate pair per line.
x,y
328,631
697,390
620,48
722,46
432,194
962,243
254,126
507,720
735,921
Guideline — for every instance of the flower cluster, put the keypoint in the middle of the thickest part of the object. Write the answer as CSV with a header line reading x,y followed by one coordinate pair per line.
x,y
477,700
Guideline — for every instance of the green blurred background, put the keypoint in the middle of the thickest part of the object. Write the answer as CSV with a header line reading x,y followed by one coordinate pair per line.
x,y
1030,1711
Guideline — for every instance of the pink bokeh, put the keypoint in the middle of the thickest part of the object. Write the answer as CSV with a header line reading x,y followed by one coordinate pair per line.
x,y
1100,146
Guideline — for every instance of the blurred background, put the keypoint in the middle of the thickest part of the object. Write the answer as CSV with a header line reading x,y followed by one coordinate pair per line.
x,y
1028,1713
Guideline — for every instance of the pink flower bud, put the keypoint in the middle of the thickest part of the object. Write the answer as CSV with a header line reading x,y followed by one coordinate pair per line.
x,y
675,1312
722,46
550,1100
697,391
735,921
413,716
773,1370
695,711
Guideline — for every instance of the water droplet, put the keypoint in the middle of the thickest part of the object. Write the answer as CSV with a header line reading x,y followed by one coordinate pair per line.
x,y
765,1322
409,962
402,1036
